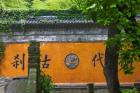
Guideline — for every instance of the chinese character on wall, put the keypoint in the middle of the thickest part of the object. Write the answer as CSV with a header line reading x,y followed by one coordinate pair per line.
x,y
19,62
98,57
45,61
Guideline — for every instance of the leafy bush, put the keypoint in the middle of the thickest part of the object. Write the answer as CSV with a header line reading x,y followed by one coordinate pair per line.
x,y
27,14
130,91
46,84
2,49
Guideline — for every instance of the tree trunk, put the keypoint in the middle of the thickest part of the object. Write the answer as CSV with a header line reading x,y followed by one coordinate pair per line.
x,y
111,63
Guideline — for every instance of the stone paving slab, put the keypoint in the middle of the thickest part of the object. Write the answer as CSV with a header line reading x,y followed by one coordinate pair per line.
x,y
17,86
20,86
3,84
82,91
2,89
102,91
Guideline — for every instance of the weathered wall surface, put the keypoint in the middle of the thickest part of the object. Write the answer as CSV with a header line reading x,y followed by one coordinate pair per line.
x,y
68,32
56,53
85,70
12,65
70,53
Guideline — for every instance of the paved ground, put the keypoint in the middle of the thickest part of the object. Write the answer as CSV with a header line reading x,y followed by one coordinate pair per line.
x,y
101,91
3,84
20,86
1,89
81,91
69,91
17,86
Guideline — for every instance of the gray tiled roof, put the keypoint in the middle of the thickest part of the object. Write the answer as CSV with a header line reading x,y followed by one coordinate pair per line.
x,y
55,19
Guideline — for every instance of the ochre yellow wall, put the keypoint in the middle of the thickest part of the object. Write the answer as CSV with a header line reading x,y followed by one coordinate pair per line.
x,y
84,73
6,67
131,77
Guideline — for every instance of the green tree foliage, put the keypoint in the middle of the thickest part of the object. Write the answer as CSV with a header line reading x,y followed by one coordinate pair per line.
x,y
78,4
2,49
52,4
130,91
13,4
46,83
37,4
123,45
122,13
